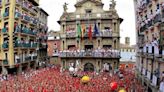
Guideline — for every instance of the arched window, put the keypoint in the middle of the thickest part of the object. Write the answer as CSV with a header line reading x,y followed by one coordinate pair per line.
x,y
63,45
98,42
115,46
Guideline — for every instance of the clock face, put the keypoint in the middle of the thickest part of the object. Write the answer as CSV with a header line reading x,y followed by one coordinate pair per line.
x,y
88,4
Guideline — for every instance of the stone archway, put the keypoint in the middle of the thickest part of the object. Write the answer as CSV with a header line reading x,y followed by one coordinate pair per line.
x,y
88,67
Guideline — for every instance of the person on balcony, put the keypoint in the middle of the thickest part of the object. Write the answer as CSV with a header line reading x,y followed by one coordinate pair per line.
x,y
16,13
161,88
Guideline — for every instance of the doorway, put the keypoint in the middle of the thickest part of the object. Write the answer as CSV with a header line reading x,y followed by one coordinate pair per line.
x,y
89,67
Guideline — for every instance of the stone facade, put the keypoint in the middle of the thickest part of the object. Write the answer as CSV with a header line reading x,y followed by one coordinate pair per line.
x,y
90,52
19,43
150,49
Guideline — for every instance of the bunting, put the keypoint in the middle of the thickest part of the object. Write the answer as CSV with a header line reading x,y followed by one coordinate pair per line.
x,y
83,31
78,33
96,30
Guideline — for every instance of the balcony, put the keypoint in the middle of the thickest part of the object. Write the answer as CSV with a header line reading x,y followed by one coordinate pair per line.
x,y
150,23
5,62
143,28
91,54
26,7
140,41
149,2
140,44
17,59
89,16
34,45
27,58
43,45
163,12
155,80
4,31
33,57
103,33
17,15
6,15
56,54
149,75
5,45
33,21
157,18
25,31
25,18
25,45
144,71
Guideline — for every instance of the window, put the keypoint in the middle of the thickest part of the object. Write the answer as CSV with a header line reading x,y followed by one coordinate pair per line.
x,y
98,25
115,44
151,11
6,56
98,42
88,11
98,63
6,12
114,26
63,28
146,17
63,45
157,6
106,28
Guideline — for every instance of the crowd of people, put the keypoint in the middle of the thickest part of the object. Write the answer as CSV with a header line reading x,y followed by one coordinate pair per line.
x,y
51,79
101,52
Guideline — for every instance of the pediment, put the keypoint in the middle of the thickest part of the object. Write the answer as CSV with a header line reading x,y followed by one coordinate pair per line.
x,y
97,2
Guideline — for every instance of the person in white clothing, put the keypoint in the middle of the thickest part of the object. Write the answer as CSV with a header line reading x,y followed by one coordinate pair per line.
x,y
161,88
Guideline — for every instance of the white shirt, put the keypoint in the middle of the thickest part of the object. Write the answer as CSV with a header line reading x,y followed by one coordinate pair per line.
x,y
161,88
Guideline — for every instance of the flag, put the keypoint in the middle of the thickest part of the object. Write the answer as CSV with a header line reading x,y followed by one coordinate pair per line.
x,y
90,32
83,31
96,30
78,30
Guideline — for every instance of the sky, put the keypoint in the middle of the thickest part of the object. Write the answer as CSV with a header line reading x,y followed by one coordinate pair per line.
x,y
125,9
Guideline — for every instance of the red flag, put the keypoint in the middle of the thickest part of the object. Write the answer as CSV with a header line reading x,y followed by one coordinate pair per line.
x,y
90,32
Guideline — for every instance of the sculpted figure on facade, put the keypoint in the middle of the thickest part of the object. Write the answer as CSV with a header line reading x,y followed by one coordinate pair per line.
x,y
65,7
113,4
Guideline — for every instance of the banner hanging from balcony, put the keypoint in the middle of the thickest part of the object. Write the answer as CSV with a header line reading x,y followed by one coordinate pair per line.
x,y
96,30
78,30
83,31
90,32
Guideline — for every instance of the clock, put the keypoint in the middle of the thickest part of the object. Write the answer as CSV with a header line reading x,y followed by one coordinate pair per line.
x,y
88,5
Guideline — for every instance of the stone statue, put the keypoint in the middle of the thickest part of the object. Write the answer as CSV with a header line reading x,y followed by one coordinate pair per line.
x,y
65,7
113,4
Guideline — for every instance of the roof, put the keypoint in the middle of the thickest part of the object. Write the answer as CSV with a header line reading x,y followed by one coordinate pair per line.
x,y
127,46
35,2
44,11
83,1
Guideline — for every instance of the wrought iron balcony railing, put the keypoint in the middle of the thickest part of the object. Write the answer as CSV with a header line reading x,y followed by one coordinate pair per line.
x,y
25,45
90,54
101,34
5,45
